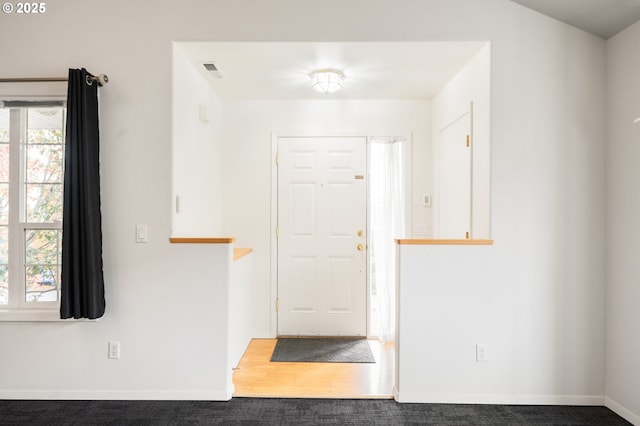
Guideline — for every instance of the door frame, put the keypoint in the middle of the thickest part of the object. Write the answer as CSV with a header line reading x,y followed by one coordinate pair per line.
x,y
273,327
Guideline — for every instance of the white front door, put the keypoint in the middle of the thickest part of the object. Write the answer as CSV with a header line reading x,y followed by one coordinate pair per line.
x,y
322,211
454,180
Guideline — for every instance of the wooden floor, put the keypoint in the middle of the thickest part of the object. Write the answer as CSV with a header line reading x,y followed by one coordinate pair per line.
x,y
256,376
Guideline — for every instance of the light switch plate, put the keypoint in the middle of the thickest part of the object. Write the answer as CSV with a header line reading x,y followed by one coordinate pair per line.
x,y
141,234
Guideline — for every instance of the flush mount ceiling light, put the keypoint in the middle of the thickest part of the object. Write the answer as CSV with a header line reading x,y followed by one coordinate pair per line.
x,y
326,81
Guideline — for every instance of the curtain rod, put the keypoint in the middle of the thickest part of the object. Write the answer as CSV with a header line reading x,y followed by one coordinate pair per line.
x,y
102,79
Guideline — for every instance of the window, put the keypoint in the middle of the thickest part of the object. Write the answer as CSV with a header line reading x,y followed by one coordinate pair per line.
x,y
31,175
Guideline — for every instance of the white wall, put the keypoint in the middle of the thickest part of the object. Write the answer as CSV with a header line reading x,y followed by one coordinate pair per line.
x,y
248,128
241,290
547,170
471,85
197,179
537,296
623,225
185,306
545,341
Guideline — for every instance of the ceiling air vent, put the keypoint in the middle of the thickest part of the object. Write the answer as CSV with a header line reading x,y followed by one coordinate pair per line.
x,y
213,69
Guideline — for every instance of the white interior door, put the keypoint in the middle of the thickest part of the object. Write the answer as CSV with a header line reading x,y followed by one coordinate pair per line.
x,y
322,210
454,180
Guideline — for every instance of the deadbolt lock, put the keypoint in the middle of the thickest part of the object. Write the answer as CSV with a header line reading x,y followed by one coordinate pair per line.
x,y
360,233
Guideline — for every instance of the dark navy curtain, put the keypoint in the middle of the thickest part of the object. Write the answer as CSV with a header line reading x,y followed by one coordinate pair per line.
x,y
82,284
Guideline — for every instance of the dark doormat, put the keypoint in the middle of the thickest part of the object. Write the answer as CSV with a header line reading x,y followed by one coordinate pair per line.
x,y
322,349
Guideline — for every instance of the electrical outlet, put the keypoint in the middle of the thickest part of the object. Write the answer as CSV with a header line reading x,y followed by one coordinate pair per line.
x,y
482,350
114,350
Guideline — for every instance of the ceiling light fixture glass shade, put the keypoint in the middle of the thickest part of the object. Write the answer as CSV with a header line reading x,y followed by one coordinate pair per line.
x,y
327,81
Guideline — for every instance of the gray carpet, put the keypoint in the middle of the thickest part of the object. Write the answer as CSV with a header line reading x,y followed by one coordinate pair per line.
x,y
325,349
247,411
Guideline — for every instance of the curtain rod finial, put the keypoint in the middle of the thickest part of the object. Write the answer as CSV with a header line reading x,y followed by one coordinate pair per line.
x,y
102,79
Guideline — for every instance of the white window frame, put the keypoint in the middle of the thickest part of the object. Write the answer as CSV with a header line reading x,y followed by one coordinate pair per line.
x,y
18,309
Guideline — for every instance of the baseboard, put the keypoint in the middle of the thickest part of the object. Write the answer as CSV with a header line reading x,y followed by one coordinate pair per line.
x,y
115,395
500,399
626,414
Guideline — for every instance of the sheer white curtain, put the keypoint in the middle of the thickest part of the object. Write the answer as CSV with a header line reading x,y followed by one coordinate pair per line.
x,y
388,181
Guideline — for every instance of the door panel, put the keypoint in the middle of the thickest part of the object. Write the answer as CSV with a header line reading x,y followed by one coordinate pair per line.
x,y
321,207
339,271
454,180
303,220
339,208
303,294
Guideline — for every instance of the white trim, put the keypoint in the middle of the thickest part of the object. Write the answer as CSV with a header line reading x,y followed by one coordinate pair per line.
x,y
584,400
40,315
34,91
272,233
623,412
19,308
396,394
176,395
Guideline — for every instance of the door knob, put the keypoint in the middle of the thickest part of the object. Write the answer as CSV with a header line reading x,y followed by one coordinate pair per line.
x,y
360,247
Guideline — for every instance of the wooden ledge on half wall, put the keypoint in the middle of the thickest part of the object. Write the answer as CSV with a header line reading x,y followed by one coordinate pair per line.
x,y
241,252
238,252
444,242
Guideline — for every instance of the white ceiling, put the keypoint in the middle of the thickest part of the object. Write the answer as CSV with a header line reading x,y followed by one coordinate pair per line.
x,y
373,70
603,18
376,70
